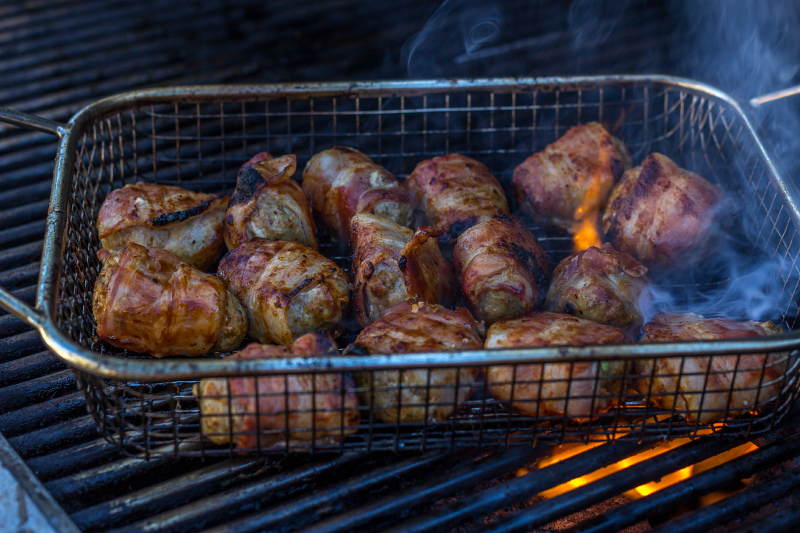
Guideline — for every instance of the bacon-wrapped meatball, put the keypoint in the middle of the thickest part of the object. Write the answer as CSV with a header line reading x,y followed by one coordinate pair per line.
x,y
685,396
286,288
566,388
571,178
503,270
188,224
662,215
416,327
147,301
602,285
456,192
330,396
392,264
268,203
342,182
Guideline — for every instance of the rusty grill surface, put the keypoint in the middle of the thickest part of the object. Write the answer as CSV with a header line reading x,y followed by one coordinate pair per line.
x,y
50,56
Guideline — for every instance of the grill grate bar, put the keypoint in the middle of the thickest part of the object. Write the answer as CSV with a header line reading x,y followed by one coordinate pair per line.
x,y
29,367
739,504
73,459
614,484
399,503
46,440
325,501
783,520
23,344
72,490
156,498
19,255
226,505
517,489
44,414
665,500
40,389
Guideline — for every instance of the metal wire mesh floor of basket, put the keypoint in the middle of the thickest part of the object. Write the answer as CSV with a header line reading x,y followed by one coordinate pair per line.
x,y
200,144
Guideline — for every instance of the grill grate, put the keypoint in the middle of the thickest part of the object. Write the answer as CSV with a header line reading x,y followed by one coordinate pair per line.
x,y
57,55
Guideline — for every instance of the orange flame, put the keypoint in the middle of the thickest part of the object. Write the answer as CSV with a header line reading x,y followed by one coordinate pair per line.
x,y
585,232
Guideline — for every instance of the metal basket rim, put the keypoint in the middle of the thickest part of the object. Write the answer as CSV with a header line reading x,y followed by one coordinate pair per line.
x,y
112,367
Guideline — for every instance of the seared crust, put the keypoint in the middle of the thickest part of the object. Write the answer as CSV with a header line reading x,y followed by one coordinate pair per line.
x,y
572,177
685,396
664,216
392,264
287,289
149,302
331,396
602,285
599,378
456,192
268,204
342,182
503,270
187,223
416,327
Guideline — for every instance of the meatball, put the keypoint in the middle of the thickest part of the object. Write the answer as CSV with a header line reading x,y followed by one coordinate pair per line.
x,y
392,264
269,204
759,377
228,406
287,289
149,302
571,178
664,216
186,223
577,390
602,285
456,192
342,182
416,327
503,270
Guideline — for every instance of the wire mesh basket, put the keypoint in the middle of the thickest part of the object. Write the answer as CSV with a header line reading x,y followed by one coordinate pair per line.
x,y
198,138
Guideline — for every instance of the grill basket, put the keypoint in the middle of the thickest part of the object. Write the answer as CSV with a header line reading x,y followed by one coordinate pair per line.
x,y
198,138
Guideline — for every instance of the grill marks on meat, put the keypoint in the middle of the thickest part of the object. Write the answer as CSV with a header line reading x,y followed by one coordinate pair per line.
x,y
287,289
678,383
392,264
456,192
571,178
417,327
269,204
602,285
666,217
147,301
555,388
229,406
342,182
188,224
503,270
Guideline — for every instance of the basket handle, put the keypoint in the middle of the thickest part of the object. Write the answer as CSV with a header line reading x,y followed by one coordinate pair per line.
x,y
20,309
8,301
32,122
772,97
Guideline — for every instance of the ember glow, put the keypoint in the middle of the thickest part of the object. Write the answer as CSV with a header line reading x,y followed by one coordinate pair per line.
x,y
570,450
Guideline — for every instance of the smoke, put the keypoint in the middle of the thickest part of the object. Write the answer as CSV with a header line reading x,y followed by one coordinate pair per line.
x,y
745,47
458,28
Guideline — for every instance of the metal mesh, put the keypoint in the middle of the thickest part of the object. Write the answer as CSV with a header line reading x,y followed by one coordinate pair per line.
x,y
201,145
